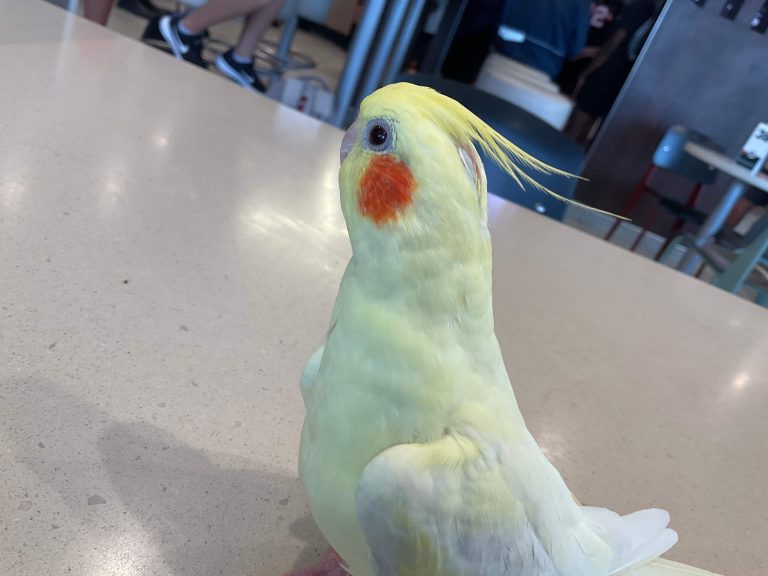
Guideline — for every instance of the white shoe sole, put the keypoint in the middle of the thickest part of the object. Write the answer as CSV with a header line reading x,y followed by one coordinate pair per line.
x,y
170,38
223,66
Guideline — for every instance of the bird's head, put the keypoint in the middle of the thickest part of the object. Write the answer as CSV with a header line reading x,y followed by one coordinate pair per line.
x,y
410,173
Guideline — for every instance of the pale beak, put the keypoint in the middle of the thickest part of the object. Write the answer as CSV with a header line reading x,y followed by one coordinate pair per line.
x,y
348,141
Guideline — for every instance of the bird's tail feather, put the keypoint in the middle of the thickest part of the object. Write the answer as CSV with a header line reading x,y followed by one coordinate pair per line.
x,y
650,537
635,538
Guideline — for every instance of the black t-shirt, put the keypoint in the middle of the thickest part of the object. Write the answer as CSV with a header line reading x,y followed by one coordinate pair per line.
x,y
633,16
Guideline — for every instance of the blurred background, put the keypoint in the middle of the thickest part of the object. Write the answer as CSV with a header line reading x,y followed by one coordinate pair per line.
x,y
652,103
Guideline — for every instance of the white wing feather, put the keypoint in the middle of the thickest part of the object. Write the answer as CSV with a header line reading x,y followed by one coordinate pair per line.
x,y
446,509
635,538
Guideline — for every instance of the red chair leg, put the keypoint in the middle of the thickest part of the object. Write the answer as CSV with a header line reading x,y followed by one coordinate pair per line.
x,y
637,241
647,223
677,227
632,201
613,229
679,223
693,198
664,247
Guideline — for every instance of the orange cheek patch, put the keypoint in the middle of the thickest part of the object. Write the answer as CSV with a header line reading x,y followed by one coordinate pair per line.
x,y
386,189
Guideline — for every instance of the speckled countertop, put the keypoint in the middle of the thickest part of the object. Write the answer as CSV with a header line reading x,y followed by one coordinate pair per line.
x,y
170,247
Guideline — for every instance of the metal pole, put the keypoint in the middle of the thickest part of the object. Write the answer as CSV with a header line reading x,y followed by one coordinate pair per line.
x,y
441,43
712,225
358,52
289,14
286,38
733,277
405,41
393,20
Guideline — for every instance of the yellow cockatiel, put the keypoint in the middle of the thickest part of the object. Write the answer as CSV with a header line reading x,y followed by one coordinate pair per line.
x,y
415,458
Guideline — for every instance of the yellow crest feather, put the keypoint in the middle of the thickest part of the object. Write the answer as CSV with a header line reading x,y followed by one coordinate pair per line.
x,y
466,128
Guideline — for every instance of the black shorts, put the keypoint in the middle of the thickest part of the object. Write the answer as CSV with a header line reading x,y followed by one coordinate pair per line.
x,y
600,89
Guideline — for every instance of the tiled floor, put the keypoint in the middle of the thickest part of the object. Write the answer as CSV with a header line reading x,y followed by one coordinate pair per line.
x,y
598,225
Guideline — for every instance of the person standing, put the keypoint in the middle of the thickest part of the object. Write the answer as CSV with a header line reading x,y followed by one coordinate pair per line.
x,y
602,80
603,15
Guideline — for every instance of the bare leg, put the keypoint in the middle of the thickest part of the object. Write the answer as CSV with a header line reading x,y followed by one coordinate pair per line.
x,y
578,126
255,26
216,11
97,10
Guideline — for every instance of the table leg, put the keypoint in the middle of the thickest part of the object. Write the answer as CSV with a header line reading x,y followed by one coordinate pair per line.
x,y
412,21
286,38
732,278
385,42
712,225
358,53
441,43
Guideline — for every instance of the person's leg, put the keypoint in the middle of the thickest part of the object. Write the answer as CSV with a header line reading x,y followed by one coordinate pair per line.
x,y
97,10
237,63
579,126
216,11
255,26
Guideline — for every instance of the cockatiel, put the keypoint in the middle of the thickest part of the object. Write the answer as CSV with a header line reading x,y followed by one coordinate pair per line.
x,y
414,456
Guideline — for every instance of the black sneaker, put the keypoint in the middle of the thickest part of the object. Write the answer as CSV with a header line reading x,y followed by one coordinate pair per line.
x,y
187,47
243,74
141,8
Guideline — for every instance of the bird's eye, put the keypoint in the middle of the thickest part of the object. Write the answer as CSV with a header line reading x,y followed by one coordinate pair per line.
x,y
379,136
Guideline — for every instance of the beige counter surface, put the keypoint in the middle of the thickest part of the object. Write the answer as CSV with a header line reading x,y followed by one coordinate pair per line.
x,y
170,248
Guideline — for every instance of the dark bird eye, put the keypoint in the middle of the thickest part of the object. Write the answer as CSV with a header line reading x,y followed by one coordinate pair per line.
x,y
377,136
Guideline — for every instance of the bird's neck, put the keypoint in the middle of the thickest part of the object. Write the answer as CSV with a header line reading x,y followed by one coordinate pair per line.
x,y
437,284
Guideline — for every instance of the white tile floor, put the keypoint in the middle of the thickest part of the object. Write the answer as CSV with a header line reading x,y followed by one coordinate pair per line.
x,y
598,224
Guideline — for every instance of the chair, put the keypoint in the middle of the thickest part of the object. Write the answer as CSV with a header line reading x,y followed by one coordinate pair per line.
x,y
745,264
750,268
279,54
527,131
526,88
670,155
